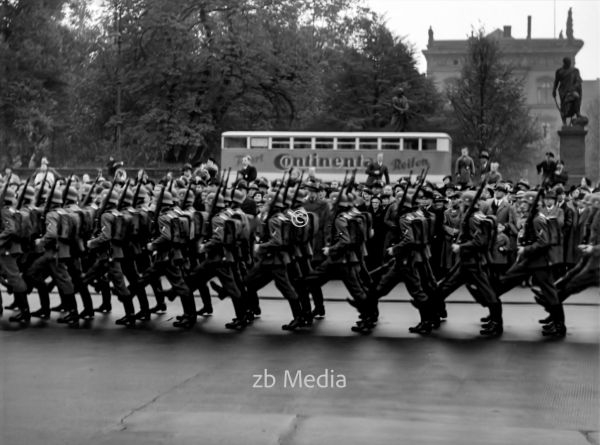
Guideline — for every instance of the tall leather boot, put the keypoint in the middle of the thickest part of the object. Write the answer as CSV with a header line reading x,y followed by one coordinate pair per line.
x,y
557,328
296,313
495,327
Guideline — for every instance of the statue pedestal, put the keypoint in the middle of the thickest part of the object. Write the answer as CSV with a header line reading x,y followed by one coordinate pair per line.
x,y
572,151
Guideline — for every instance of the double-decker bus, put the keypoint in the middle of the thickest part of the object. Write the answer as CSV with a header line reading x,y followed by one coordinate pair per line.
x,y
331,154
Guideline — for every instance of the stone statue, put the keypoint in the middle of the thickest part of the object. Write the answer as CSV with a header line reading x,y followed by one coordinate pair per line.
x,y
399,111
560,35
568,82
430,40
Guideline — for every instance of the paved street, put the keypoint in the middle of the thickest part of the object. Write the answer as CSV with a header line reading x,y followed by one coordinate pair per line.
x,y
105,384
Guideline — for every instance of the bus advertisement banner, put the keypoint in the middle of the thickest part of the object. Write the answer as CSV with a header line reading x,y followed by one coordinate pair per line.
x,y
336,161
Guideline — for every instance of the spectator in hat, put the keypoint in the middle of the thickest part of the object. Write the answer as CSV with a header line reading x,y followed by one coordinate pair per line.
x,y
505,213
522,185
40,173
484,164
464,168
318,205
494,176
547,167
567,230
375,243
560,175
248,171
376,171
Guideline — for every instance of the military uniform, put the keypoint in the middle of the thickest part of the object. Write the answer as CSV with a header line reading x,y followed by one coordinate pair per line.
x,y
53,262
342,261
108,247
273,260
474,244
166,255
536,260
10,249
406,252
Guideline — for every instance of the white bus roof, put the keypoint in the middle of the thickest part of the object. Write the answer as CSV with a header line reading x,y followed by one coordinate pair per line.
x,y
349,134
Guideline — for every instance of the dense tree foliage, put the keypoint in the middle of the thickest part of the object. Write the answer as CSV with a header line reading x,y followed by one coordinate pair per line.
x,y
488,110
154,80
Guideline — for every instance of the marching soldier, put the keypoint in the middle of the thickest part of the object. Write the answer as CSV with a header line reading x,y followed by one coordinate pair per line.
x,y
108,246
165,264
52,263
10,249
273,261
71,222
342,261
472,269
403,267
534,259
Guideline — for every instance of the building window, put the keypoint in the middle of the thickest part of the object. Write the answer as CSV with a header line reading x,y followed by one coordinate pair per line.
x,y
544,91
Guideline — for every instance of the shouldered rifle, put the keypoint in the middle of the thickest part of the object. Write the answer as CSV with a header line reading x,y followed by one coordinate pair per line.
x,y
420,183
213,207
123,193
3,192
187,193
22,195
66,189
336,205
528,233
157,207
136,193
271,210
40,193
102,208
464,226
352,182
48,202
87,197
297,190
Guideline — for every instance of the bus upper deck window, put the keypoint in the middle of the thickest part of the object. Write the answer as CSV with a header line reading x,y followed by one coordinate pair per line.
x,y
367,143
234,142
411,144
429,144
346,143
302,143
280,143
390,144
259,142
324,143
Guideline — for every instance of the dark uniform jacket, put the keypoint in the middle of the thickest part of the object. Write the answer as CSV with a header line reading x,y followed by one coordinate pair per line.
x,y
8,232
536,253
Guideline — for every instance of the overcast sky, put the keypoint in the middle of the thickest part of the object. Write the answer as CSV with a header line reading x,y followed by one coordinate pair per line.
x,y
454,19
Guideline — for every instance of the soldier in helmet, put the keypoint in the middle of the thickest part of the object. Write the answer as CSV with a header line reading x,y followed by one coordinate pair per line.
x,y
340,257
53,262
166,255
71,221
108,246
534,260
405,252
132,250
273,259
219,261
472,247
10,249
